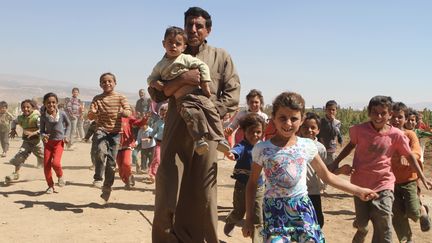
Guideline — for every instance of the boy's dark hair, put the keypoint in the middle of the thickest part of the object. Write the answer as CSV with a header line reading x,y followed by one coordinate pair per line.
x,y
411,112
198,12
380,100
330,103
3,104
313,116
75,88
173,31
110,74
31,102
49,95
290,100
255,93
251,120
399,106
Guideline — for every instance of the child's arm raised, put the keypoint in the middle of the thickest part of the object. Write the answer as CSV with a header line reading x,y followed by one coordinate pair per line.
x,y
364,194
251,189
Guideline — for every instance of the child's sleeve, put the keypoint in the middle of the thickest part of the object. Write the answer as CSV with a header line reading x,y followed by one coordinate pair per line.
x,y
238,151
155,75
353,134
67,124
257,156
403,146
127,111
42,128
202,66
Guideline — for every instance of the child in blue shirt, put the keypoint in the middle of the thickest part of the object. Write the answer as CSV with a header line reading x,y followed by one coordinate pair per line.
x,y
253,126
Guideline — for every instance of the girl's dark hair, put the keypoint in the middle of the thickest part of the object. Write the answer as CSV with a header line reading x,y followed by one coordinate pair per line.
x,y
313,116
251,120
49,95
198,12
173,31
254,93
31,102
380,100
105,74
290,100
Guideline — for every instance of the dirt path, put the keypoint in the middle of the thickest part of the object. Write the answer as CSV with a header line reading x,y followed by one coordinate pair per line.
x,y
77,214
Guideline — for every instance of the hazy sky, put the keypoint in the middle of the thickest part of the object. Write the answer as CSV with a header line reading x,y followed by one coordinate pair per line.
x,y
343,50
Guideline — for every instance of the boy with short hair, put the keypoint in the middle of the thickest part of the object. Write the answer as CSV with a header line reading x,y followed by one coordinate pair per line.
x,y
5,121
107,109
330,133
375,142
407,203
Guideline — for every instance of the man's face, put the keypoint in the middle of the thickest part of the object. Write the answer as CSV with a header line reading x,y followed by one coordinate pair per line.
x,y
196,30
141,94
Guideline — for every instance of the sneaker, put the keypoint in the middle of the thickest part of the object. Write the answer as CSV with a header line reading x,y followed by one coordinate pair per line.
x,y
425,220
223,146
229,229
50,190
61,182
12,177
201,147
97,184
106,193
3,154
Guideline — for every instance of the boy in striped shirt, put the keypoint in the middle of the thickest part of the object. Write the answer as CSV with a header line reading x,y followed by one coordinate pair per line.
x,y
107,109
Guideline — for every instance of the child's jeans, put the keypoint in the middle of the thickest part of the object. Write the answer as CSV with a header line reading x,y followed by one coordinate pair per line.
x,y
28,146
52,159
106,146
379,211
146,157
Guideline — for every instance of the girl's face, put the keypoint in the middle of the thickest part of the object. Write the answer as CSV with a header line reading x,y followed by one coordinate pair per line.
x,y
287,122
379,116
398,119
26,109
253,134
411,122
107,83
51,105
309,129
254,104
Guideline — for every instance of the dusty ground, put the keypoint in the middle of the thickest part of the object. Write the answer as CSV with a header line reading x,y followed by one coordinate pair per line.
x,y
77,214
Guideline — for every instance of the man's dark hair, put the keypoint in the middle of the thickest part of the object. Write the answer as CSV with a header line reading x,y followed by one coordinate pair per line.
x,y
198,12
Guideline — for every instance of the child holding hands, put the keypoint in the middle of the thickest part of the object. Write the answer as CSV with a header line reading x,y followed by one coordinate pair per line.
x,y
375,143
288,212
253,127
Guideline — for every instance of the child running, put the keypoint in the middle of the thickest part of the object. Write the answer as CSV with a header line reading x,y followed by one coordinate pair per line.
x,y
288,212
375,143
107,109
157,135
255,103
29,121
54,129
193,103
145,145
126,146
406,204
5,120
253,127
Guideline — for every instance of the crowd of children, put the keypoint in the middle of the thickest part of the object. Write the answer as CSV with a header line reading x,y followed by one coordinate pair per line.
x,y
279,175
